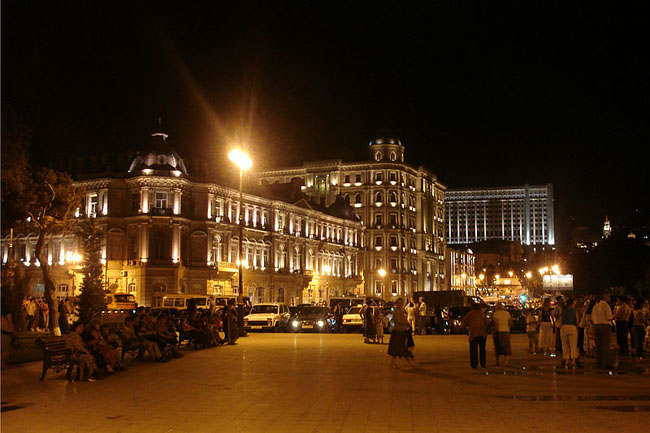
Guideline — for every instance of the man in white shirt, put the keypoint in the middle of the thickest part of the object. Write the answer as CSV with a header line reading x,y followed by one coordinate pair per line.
x,y
602,318
422,317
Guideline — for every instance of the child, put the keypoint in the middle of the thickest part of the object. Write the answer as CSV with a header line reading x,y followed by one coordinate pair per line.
x,y
379,324
531,329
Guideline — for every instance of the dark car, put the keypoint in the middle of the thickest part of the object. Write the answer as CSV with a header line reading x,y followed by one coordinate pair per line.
x,y
311,318
452,318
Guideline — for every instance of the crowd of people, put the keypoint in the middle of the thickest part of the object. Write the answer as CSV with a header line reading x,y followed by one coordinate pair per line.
x,y
152,334
573,327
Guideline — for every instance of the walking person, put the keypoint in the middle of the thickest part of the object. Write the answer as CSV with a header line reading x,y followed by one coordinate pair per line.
x,y
397,347
502,324
602,317
569,334
477,329
622,315
545,328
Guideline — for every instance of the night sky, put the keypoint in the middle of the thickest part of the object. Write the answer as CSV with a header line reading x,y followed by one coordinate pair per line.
x,y
482,96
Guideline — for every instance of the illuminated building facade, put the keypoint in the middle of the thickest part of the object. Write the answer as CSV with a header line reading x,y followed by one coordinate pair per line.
x,y
461,268
166,233
402,208
523,214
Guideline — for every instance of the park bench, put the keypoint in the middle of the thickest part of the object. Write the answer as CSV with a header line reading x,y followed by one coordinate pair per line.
x,y
133,348
55,355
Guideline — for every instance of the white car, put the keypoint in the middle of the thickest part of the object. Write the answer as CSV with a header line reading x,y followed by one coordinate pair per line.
x,y
273,316
352,320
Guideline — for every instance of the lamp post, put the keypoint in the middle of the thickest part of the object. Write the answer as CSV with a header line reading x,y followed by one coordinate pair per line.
x,y
242,161
382,274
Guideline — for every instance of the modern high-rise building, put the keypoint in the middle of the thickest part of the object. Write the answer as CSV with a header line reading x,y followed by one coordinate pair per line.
x,y
519,213
401,206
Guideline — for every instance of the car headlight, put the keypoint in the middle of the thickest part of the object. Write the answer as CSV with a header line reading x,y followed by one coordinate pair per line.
x,y
457,322
295,323
320,323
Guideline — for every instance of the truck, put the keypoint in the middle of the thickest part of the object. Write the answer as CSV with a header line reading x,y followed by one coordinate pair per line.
x,y
440,305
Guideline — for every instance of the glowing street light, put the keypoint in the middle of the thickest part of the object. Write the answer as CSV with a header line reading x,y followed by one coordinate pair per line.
x,y
529,275
244,163
382,272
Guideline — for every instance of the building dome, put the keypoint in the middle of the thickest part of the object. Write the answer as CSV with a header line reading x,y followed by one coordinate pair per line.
x,y
159,156
386,150
382,140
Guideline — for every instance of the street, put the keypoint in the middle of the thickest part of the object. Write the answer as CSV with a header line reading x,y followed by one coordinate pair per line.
x,y
331,383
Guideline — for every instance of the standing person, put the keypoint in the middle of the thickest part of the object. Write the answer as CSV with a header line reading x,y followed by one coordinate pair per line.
x,y
545,328
8,332
369,328
338,317
557,322
638,329
31,310
397,347
502,324
422,317
63,317
411,311
581,307
602,317
231,316
477,327
588,325
379,325
45,314
622,314
532,326
569,334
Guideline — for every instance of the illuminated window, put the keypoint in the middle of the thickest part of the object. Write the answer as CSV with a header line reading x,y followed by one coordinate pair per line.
x,y
161,200
378,156
357,198
379,197
393,156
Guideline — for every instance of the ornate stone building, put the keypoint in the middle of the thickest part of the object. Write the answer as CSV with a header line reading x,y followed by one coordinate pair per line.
x,y
402,208
167,233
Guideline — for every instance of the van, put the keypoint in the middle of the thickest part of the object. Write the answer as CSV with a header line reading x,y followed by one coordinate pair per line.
x,y
181,301
120,301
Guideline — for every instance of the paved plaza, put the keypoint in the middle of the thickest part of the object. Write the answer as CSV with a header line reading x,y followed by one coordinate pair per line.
x,y
331,383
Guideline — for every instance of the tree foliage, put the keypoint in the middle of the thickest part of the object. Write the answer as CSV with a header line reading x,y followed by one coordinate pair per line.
x,y
92,286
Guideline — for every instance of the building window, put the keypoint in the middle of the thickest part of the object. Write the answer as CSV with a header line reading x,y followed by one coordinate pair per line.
x,y
393,241
357,198
393,176
378,156
132,288
393,197
161,200
378,219
378,241
63,289
379,197
135,202
393,219
393,156
378,177
358,178
393,287
393,263
346,179
93,201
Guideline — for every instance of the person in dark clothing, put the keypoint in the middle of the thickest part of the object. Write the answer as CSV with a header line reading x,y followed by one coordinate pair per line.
x,y
477,327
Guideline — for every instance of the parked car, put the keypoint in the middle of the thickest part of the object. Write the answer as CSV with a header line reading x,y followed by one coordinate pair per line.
x,y
452,319
352,320
120,301
272,316
311,318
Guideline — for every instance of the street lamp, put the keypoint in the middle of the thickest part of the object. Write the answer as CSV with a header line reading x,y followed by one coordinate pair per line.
x,y
242,161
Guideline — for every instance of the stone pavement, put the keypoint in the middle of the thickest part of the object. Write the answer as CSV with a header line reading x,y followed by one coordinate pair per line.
x,y
331,383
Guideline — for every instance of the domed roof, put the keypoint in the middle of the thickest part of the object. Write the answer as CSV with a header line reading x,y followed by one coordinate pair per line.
x,y
158,155
342,209
388,140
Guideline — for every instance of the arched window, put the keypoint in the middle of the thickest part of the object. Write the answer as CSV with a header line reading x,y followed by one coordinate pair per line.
x,y
162,159
393,197
393,156
357,198
378,156
379,197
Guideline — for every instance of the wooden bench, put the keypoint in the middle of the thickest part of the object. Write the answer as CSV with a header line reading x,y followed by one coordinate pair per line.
x,y
135,349
55,355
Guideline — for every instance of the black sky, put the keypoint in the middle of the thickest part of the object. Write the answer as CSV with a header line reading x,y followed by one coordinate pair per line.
x,y
551,92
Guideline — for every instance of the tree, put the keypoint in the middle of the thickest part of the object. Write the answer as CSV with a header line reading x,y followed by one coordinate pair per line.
x,y
16,178
50,202
92,286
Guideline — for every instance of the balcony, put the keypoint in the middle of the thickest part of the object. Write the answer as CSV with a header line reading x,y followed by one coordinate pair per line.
x,y
160,211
